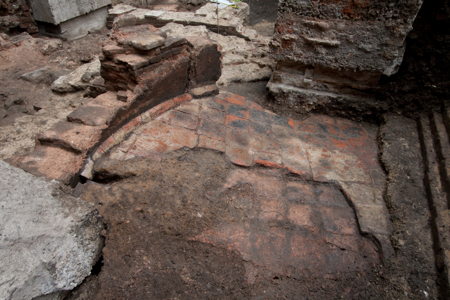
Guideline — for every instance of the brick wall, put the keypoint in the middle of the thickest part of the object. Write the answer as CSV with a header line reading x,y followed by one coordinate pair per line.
x,y
15,16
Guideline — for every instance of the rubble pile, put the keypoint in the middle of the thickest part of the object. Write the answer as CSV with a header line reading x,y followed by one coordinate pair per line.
x,y
244,51
142,67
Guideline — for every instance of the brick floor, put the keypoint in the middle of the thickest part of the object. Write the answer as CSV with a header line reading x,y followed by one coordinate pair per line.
x,y
320,148
290,232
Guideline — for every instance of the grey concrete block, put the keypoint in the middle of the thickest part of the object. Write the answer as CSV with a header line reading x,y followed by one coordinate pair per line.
x,y
49,241
58,11
77,27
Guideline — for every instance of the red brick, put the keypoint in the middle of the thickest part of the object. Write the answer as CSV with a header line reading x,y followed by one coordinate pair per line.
x,y
293,123
192,107
92,115
181,136
209,143
239,155
108,99
294,158
254,105
237,136
267,163
301,215
266,159
235,99
173,137
73,136
339,220
238,111
132,124
271,209
300,192
180,119
215,115
266,186
107,144
161,108
330,196
145,147
217,103
264,143
182,98
234,121
212,129
51,162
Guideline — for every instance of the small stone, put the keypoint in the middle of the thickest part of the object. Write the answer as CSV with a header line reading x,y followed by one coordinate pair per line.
x,y
122,96
120,9
43,75
3,113
204,91
48,46
112,49
147,42
78,79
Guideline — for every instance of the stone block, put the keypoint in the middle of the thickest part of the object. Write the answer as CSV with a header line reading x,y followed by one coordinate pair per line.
x,y
206,66
92,115
78,79
72,136
58,11
77,27
51,162
49,242
204,91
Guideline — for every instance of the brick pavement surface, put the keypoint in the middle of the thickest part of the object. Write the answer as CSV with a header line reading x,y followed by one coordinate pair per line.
x,y
284,224
319,149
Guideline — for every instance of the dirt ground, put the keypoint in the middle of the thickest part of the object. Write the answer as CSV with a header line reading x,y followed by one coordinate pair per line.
x,y
156,211
27,108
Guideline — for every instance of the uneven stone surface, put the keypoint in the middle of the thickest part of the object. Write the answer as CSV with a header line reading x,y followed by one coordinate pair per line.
x,y
244,59
43,75
29,108
49,241
231,21
234,200
51,162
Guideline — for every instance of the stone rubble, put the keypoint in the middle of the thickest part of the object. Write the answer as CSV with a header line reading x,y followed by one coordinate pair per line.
x,y
245,58
49,241
79,79
142,66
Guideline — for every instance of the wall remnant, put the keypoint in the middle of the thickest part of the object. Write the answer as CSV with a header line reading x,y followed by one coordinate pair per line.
x,y
333,53
15,16
142,67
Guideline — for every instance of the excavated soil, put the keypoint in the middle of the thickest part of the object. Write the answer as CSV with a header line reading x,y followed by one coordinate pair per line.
x,y
28,108
180,228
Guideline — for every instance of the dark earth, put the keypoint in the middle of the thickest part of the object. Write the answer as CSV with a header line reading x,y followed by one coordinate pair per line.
x,y
158,244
